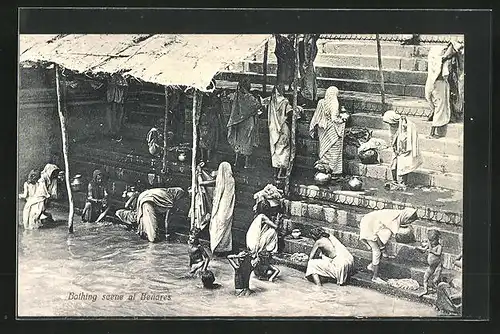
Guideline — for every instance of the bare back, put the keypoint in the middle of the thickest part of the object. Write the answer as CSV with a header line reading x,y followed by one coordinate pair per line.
x,y
326,247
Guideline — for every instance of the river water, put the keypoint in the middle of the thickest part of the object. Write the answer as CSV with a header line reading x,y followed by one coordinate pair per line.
x,y
107,262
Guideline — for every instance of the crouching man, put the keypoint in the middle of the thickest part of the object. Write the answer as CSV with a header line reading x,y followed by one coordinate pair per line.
x,y
334,260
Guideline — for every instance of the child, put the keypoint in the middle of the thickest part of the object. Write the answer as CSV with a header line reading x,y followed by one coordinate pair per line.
x,y
34,194
264,270
208,279
243,264
434,249
198,256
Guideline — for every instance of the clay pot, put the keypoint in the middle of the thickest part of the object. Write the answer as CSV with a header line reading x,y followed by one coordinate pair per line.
x,y
355,183
322,178
77,183
296,233
182,156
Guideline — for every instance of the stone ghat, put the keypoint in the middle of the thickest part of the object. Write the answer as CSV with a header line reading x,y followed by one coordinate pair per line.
x,y
120,159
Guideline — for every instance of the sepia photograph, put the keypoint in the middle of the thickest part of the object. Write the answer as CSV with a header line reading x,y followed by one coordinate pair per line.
x,y
229,175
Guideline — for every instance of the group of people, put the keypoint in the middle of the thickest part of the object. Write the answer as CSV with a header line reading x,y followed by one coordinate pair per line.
x,y
38,190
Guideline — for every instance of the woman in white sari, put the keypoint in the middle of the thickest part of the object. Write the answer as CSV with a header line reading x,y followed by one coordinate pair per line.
x,y
377,227
279,130
35,194
151,205
221,222
262,234
331,125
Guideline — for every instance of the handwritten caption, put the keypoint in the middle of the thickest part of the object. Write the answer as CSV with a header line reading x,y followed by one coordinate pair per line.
x,y
136,296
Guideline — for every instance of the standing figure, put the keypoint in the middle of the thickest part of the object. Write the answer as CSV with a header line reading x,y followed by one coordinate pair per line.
x,y
335,261
221,222
210,125
35,194
243,130
454,61
97,198
152,204
330,125
406,151
307,54
442,88
50,178
375,230
434,260
115,96
198,256
279,119
205,185
243,264
285,54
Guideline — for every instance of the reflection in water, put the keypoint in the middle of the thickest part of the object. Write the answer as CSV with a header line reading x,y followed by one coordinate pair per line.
x,y
106,261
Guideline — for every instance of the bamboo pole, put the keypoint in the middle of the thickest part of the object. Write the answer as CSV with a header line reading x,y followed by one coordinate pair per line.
x,y
193,158
64,136
381,71
294,116
164,170
264,69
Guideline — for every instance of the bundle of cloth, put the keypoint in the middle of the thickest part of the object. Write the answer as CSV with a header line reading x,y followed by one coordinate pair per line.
x,y
272,194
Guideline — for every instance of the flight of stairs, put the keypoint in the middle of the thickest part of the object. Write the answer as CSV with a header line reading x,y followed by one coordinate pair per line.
x,y
352,67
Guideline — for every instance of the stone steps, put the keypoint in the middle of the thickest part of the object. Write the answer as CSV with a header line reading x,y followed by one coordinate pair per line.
x,y
357,73
121,165
344,84
349,236
389,268
454,131
347,59
330,214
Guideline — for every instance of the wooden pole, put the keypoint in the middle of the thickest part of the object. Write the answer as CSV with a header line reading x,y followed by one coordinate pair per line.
x,y
381,71
294,116
193,158
264,69
164,170
64,136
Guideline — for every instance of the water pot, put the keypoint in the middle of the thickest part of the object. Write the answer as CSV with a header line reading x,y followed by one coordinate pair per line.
x,y
355,183
322,178
77,183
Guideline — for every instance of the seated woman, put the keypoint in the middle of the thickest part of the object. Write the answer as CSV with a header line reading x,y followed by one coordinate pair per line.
x,y
128,215
35,195
335,262
154,138
377,227
151,204
97,198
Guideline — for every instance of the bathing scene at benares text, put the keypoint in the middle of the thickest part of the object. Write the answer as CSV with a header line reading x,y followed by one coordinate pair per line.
x,y
269,175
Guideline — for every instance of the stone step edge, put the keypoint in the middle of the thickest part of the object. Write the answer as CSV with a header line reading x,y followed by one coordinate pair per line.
x,y
325,65
374,203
